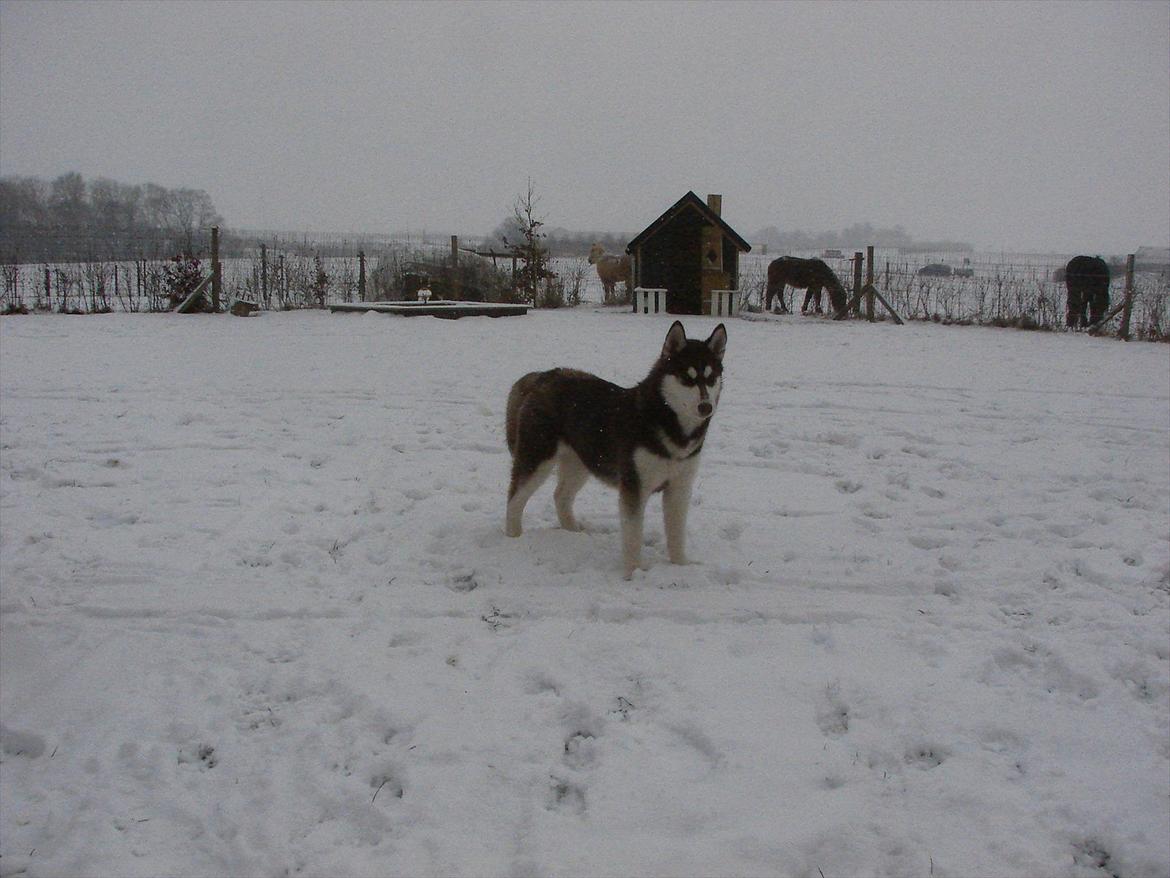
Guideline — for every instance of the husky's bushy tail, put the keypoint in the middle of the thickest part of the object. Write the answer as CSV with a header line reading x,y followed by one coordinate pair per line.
x,y
516,397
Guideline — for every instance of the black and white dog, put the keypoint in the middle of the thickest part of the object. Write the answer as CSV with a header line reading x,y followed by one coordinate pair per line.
x,y
640,439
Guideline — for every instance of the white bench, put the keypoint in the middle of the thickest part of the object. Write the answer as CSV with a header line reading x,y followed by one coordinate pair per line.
x,y
724,303
649,300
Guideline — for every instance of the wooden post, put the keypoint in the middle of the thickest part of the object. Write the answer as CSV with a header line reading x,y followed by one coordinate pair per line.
x,y
857,257
216,277
456,292
189,304
264,276
869,282
48,290
361,275
1127,310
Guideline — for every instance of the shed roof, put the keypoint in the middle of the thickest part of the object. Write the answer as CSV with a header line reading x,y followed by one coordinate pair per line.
x,y
690,200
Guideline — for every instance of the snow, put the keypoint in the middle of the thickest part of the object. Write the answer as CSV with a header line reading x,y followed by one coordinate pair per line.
x,y
258,615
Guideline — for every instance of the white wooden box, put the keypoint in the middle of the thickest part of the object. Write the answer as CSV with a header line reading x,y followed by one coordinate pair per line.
x,y
724,303
649,300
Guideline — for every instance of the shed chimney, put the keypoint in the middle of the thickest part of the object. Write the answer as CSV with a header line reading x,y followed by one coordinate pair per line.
x,y
715,202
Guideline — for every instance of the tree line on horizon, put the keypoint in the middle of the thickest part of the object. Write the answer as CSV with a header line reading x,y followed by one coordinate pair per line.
x,y
70,218
564,242
856,235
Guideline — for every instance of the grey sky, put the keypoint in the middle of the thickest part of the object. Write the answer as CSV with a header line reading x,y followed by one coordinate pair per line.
x,y
1023,126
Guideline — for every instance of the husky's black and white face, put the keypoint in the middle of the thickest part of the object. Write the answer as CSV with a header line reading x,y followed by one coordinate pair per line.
x,y
692,376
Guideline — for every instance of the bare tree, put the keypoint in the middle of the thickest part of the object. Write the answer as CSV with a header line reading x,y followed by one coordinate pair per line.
x,y
156,206
67,203
533,276
191,209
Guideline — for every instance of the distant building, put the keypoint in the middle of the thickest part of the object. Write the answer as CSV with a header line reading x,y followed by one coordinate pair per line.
x,y
688,251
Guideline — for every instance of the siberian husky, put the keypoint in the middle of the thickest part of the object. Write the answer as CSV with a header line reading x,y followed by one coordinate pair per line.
x,y
640,439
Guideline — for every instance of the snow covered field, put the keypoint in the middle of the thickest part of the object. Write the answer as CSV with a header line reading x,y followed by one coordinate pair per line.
x,y
258,616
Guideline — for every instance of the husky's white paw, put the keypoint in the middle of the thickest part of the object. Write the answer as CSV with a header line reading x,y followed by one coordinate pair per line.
x,y
513,530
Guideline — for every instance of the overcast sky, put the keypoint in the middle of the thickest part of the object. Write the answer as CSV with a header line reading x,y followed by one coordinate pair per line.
x,y
1021,126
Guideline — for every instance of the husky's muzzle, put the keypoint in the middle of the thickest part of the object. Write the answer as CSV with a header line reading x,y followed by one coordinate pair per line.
x,y
705,407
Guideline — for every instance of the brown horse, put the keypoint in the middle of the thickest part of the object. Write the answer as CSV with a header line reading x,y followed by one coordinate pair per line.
x,y
1087,280
611,269
806,274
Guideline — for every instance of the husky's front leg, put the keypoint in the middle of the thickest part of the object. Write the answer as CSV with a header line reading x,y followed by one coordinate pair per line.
x,y
632,509
676,500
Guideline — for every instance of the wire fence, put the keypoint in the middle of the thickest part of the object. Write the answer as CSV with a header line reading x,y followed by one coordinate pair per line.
x,y
1025,291
303,271
280,272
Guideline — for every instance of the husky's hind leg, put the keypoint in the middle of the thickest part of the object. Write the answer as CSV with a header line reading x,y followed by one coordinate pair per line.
x,y
532,441
571,477
533,458
525,481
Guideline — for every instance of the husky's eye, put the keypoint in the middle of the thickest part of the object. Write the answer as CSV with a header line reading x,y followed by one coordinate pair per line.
x,y
692,374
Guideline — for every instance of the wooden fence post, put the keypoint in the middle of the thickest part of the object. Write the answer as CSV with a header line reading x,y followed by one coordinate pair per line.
x,y
869,282
216,277
361,275
264,276
48,290
857,257
1127,310
455,267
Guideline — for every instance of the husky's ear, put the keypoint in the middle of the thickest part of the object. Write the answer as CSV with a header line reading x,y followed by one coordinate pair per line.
x,y
675,339
718,341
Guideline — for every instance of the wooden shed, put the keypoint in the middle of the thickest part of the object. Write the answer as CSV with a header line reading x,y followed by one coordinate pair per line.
x,y
688,251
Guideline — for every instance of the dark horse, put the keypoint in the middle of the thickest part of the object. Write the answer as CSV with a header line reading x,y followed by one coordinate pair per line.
x,y
810,274
1087,280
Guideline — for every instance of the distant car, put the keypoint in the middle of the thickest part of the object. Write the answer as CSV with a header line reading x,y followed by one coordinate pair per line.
x,y
965,271
935,269
832,254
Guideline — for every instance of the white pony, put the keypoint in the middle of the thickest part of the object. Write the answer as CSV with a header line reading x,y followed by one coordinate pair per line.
x,y
611,269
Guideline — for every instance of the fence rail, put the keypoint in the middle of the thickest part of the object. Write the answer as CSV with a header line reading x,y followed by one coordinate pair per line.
x,y
291,272
1015,293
